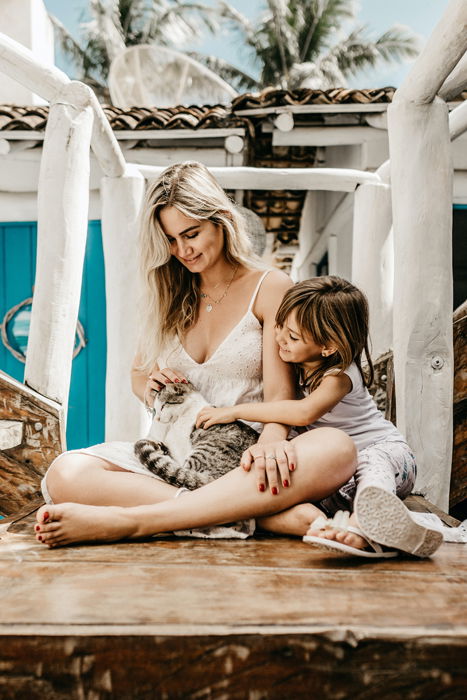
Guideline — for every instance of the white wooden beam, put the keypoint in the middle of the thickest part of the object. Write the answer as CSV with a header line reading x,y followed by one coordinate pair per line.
x,y
456,81
306,236
373,259
284,121
331,108
20,64
50,83
443,50
458,121
326,136
121,201
421,176
62,228
245,178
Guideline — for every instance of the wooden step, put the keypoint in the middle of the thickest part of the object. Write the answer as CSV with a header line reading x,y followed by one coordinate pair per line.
x,y
31,436
268,618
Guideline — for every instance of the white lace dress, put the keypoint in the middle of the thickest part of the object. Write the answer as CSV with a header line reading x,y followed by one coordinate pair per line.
x,y
233,374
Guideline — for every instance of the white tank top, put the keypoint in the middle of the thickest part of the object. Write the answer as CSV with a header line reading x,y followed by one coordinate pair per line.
x,y
357,414
234,372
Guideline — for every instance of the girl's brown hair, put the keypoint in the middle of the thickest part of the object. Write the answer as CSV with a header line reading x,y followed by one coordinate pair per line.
x,y
331,311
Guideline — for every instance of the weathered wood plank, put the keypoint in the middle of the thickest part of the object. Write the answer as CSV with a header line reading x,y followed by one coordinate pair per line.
x,y
267,618
419,504
22,467
272,667
458,491
383,387
226,587
11,434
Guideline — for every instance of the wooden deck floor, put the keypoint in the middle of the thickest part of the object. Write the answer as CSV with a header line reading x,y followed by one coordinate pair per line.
x,y
262,618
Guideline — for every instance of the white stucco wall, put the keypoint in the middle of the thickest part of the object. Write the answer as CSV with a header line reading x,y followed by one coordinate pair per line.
x,y
25,21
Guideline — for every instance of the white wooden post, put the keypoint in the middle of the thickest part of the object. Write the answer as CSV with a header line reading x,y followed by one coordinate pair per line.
x,y
422,180
307,232
121,202
373,259
423,358
63,196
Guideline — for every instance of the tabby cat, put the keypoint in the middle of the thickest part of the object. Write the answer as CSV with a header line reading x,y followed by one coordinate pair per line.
x,y
183,455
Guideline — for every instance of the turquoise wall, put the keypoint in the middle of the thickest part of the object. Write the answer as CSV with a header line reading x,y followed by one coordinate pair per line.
x,y
86,411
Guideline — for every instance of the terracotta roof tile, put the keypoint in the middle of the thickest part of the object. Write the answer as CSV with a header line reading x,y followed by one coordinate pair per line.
x,y
272,97
134,119
14,117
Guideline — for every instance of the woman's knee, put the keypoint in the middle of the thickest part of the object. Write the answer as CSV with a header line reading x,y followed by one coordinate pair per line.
x,y
330,447
65,471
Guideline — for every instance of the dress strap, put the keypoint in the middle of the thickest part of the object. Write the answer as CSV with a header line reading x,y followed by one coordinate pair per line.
x,y
255,293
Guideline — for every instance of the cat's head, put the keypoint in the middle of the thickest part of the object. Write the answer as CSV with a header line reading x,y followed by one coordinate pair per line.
x,y
171,394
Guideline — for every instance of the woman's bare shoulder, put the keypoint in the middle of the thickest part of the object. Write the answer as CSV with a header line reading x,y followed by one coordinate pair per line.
x,y
272,289
276,280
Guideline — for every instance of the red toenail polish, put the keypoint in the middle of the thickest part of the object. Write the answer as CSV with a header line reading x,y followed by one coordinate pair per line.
x,y
37,528
262,487
274,491
46,516
292,467
39,538
286,483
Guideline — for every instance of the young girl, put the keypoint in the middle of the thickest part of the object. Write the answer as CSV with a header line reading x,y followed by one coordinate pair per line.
x,y
322,328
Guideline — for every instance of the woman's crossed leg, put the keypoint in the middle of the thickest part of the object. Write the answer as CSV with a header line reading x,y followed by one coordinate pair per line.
x,y
326,459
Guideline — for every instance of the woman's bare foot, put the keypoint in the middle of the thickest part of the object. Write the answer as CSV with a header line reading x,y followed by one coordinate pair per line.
x,y
65,523
293,521
348,538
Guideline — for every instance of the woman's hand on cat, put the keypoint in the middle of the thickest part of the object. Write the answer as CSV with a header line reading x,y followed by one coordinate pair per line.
x,y
158,379
273,463
210,415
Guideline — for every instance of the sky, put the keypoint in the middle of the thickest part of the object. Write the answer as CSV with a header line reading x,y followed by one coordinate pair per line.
x,y
420,15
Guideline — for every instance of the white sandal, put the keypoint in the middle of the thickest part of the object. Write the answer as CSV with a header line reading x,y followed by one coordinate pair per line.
x,y
341,522
383,517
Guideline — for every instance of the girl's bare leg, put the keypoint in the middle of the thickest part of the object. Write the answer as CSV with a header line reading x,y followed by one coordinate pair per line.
x,y
326,459
82,478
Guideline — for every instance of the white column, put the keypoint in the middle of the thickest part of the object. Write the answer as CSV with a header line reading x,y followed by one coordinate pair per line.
x,y
306,235
63,197
421,176
373,259
121,202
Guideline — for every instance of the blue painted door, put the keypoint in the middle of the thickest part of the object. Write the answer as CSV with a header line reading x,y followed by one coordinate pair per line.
x,y
86,408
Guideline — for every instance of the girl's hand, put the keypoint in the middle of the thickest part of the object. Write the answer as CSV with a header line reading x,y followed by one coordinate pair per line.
x,y
273,463
158,379
209,415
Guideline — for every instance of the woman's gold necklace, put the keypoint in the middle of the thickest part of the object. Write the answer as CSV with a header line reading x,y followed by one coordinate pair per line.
x,y
205,295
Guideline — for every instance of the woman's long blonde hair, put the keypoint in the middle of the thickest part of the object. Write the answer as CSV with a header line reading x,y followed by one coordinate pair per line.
x,y
170,292
331,311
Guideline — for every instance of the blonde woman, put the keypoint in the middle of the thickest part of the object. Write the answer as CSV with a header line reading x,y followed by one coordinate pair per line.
x,y
208,316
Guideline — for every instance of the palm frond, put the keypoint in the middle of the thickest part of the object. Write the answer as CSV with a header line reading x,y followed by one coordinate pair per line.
x,y
236,21
325,19
176,22
237,78
104,28
356,51
396,43
68,44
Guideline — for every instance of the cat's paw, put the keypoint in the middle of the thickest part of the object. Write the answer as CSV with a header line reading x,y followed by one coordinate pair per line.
x,y
143,447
